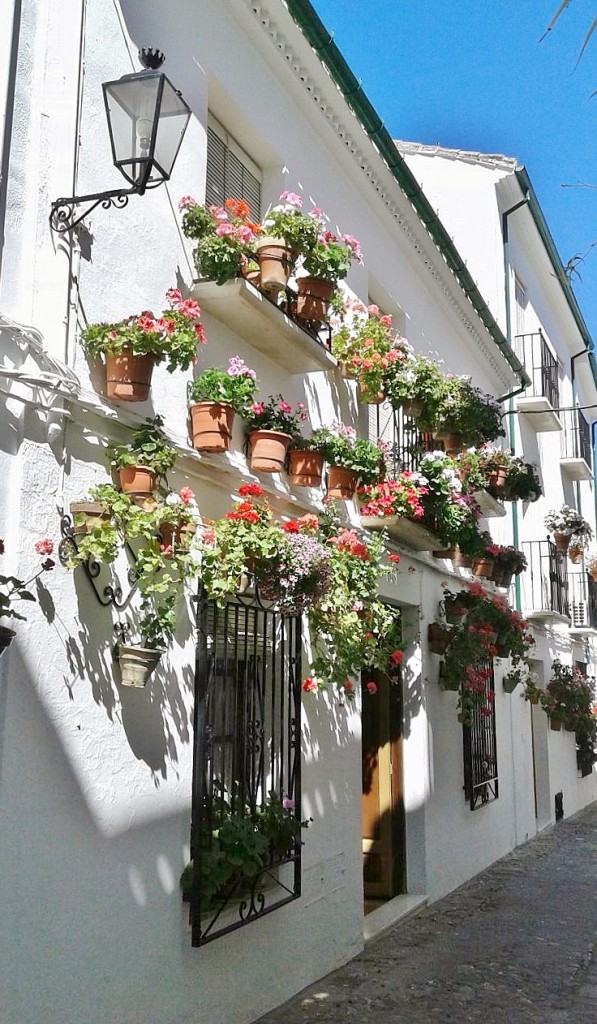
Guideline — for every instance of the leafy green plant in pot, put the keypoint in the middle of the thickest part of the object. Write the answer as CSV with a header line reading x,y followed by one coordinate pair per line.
x,y
365,345
133,346
563,523
216,395
142,464
271,426
350,459
326,263
13,589
225,237
286,233
156,631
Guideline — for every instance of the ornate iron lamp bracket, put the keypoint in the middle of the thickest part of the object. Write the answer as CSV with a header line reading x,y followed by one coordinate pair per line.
x,y
63,213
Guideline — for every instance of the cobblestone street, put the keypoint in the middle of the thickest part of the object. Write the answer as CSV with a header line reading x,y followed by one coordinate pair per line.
x,y
516,945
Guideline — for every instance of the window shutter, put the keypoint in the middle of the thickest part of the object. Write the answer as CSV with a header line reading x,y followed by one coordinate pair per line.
x,y
228,176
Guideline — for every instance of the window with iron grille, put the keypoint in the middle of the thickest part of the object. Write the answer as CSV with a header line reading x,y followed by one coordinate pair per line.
x,y
230,172
245,844
480,751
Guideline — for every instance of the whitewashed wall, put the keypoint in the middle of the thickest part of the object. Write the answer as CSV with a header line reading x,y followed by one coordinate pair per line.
x,y
95,780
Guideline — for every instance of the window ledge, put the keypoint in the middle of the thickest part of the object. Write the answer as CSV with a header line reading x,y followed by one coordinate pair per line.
x,y
247,312
404,531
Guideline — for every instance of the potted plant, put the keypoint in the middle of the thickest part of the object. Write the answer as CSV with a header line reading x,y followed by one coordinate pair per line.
x,y
225,237
286,232
350,459
302,572
403,495
449,512
156,630
215,395
568,697
271,426
133,346
365,346
86,514
591,565
508,562
142,464
416,384
522,481
483,564
563,523
14,589
579,542
326,262
305,463
467,416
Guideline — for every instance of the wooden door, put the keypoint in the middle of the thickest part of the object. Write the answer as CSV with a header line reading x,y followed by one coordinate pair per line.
x,y
384,864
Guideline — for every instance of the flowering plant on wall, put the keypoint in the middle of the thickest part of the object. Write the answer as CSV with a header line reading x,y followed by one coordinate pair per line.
x,y
418,381
225,236
342,448
13,589
276,414
451,514
469,412
330,257
364,343
237,385
174,335
302,572
287,221
404,495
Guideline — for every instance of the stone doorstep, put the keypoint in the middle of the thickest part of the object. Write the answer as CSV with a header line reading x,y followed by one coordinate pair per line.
x,y
388,914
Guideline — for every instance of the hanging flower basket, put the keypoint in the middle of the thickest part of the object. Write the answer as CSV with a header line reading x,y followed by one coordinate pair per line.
x,y
438,637
275,263
495,481
128,377
575,555
455,612
366,397
136,479
509,683
412,408
136,664
341,483
313,298
306,468
555,724
211,425
6,638
267,450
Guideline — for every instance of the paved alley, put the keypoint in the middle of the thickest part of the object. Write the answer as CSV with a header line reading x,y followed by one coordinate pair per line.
x,y
516,945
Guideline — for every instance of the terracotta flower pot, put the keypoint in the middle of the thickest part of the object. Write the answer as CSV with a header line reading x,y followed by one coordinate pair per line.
x,y
173,535
495,481
306,468
136,479
313,298
593,574
6,638
347,371
575,555
136,664
455,612
461,560
128,377
252,276
211,426
438,638
412,408
267,450
555,724
562,541
482,567
366,397
341,483
275,263
445,553
86,515
452,443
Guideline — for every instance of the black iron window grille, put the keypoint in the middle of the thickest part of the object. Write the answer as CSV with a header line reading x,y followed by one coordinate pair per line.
x,y
576,438
406,443
480,750
246,765
545,583
541,366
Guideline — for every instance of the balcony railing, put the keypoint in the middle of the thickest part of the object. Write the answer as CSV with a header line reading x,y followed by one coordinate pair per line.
x,y
544,586
576,437
541,366
583,600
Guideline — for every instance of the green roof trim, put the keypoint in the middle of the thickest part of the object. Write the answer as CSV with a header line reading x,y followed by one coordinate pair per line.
x,y
322,42
550,247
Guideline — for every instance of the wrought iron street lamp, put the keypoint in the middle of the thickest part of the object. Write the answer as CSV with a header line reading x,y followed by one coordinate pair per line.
x,y
147,119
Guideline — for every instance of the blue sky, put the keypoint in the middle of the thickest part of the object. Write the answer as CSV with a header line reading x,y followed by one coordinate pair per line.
x,y
472,74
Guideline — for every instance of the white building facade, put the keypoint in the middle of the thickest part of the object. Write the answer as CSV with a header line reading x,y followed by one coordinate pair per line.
x,y
96,780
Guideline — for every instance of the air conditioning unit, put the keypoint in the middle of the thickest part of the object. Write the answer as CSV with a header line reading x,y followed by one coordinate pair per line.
x,y
580,614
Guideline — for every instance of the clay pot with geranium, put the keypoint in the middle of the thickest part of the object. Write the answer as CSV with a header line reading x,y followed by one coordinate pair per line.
x,y
484,563
467,413
142,464
568,699
563,523
401,496
508,562
449,512
271,427
325,263
366,346
225,235
350,459
215,396
417,385
286,233
13,589
131,348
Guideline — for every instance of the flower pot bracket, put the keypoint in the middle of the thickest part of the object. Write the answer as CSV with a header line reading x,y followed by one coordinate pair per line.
x,y
107,593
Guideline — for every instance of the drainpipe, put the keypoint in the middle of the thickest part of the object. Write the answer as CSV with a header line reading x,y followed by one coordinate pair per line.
x,y
511,433
9,53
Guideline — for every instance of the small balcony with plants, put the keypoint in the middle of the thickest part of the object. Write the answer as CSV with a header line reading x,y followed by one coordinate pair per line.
x,y
542,399
576,453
